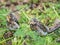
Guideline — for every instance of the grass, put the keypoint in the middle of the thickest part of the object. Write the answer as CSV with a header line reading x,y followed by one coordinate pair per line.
x,y
18,39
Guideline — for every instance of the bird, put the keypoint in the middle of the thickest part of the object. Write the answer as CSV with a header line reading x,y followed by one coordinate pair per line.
x,y
42,29
12,20
38,26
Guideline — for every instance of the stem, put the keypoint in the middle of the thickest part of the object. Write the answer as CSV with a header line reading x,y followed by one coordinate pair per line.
x,y
25,15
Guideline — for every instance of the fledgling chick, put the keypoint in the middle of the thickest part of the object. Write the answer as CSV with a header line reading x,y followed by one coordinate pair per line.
x,y
38,26
12,21
43,29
